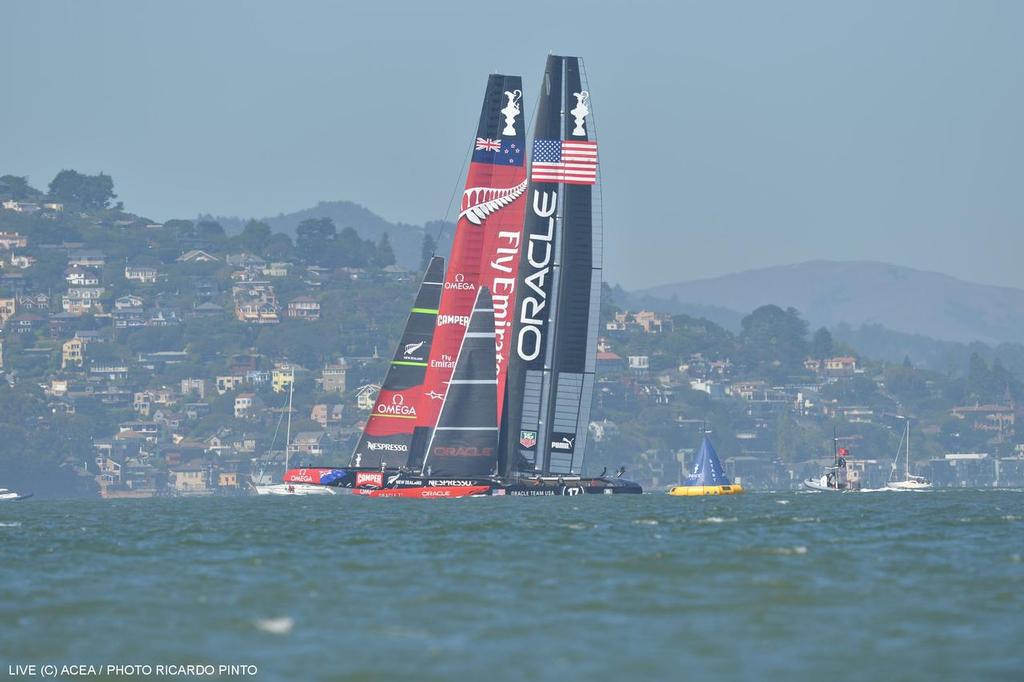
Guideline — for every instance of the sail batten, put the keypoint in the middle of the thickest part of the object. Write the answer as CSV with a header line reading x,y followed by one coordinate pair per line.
x,y
465,441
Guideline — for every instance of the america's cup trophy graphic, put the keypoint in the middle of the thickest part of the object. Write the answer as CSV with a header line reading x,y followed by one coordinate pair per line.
x,y
580,112
511,110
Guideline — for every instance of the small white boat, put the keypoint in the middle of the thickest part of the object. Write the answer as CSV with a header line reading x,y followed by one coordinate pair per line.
x,y
260,483
292,489
909,480
834,478
11,496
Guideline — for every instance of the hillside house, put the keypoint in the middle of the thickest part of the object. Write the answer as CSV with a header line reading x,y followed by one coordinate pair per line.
x,y
247,405
8,309
304,308
192,386
366,396
332,377
87,259
842,366
72,353
197,256
228,382
77,276
276,269
309,443
141,273
324,414
12,240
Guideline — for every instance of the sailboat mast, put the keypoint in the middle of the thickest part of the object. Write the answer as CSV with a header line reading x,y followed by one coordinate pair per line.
x,y
906,466
288,430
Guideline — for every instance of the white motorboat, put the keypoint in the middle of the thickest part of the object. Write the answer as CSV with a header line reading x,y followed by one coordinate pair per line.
x,y
908,481
11,496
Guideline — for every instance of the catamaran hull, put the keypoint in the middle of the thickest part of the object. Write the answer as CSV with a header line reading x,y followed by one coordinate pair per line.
x,y
290,489
431,492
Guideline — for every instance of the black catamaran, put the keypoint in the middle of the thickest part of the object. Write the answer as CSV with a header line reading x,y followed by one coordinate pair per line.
x,y
554,342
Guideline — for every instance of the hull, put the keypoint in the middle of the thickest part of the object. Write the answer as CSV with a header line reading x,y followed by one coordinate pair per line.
x,y
288,489
14,497
908,485
821,484
431,492
697,490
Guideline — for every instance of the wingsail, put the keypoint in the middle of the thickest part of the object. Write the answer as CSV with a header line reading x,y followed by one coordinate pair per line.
x,y
554,341
389,435
488,235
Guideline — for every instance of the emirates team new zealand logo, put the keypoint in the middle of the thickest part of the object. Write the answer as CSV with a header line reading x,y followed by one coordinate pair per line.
x,y
527,438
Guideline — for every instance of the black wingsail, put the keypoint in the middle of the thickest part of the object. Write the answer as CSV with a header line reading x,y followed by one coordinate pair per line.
x,y
551,371
465,441
390,433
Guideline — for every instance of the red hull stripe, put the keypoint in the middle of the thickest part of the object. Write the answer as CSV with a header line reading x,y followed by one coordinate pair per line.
x,y
432,492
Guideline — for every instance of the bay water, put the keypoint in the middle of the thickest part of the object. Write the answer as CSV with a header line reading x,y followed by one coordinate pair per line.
x,y
795,586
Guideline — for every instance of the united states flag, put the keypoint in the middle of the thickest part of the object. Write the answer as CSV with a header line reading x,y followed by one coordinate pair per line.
x,y
574,163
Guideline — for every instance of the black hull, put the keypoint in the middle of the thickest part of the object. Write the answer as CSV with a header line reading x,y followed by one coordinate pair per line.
x,y
371,478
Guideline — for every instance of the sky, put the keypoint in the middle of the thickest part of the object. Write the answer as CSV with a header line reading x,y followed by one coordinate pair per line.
x,y
733,135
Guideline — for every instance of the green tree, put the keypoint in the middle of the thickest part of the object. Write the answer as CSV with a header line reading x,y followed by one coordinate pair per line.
x,y
278,247
385,255
254,236
354,251
210,231
821,344
427,250
16,187
87,191
314,239
774,341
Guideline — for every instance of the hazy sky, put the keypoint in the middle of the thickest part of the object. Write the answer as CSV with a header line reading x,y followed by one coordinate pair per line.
x,y
733,135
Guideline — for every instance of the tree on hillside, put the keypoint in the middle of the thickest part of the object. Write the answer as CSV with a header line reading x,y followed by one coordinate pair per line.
x,y
314,240
87,191
821,344
427,250
210,231
354,251
254,236
385,255
278,247
181,229
16,187
774,340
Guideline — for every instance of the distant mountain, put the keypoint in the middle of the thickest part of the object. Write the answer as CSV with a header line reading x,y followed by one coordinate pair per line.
x,y
855,293
407,240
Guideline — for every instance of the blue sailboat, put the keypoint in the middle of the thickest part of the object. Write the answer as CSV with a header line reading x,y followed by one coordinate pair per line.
x,y
707,477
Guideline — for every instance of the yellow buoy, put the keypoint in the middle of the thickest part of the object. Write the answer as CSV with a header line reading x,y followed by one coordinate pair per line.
x,y
707,478
689,490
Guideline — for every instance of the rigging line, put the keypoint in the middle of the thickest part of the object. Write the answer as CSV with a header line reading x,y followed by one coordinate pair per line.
x,y
455,189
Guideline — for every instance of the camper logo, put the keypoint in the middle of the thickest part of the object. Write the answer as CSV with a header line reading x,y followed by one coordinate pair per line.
x,y
369,478
528,439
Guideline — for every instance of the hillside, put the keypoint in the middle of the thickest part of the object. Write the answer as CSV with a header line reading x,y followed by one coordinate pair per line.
x,y
830,293
406,239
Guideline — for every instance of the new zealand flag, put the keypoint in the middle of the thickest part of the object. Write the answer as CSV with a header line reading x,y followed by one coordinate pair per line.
x,y
499,152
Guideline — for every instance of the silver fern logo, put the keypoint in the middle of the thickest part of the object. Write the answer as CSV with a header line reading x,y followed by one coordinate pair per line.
x,y
480,202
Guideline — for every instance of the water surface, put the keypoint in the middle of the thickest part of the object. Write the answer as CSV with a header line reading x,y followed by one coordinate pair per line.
x,y
883,586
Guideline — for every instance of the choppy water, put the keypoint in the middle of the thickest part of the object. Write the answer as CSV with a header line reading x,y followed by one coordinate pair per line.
x,y
885,586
